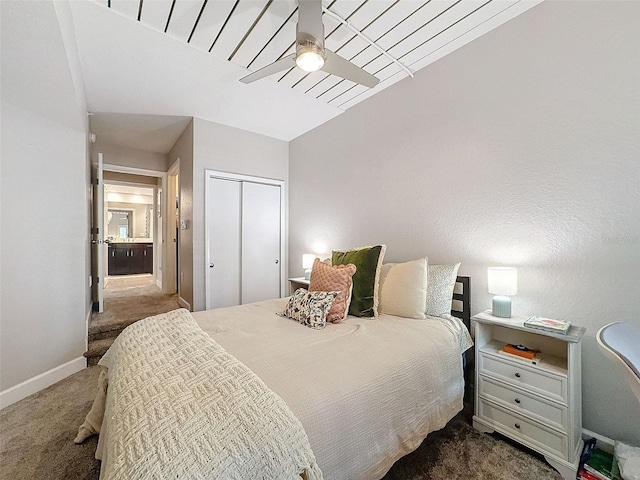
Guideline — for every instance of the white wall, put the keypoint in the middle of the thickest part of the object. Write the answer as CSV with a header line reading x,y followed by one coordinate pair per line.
x,y
227,149
130,157
44,286
521,149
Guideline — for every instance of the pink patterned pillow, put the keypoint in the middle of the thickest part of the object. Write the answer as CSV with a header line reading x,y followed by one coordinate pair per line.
x,y
327,278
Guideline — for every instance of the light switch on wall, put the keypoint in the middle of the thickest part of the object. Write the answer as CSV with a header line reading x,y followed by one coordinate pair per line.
x,y
183,224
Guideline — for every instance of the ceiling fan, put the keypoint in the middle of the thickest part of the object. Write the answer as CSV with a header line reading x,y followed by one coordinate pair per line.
x,y
310,53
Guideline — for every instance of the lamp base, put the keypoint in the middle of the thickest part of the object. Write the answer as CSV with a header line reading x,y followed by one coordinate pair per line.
x,y
307,274
501,306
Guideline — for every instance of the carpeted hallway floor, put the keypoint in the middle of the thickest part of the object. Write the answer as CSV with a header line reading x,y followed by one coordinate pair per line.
x,y
36,442
132,297
127,299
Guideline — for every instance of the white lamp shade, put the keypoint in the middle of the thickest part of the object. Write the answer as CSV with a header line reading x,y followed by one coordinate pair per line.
x,y
307,260
502,280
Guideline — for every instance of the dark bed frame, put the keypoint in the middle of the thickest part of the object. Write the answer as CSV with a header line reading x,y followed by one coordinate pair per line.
x,y
462,293
463,283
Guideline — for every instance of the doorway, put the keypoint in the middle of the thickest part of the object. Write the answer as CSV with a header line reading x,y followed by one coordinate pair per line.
x,y
130,232
171,230
132,224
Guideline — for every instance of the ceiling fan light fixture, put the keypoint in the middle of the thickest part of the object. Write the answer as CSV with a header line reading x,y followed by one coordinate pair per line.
x,y
309,58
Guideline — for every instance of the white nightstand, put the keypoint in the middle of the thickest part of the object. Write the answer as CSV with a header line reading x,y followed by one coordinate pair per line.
x,y
296,283
536,403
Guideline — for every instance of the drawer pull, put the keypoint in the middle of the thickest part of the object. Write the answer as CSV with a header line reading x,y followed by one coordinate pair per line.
x,y
517,400
517,375
517,425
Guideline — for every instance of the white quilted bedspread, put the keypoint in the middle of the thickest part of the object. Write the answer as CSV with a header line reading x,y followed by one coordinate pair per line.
x,y
367,391
179,406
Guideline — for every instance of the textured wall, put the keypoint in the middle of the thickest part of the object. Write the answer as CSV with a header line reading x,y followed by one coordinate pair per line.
x,y
521,149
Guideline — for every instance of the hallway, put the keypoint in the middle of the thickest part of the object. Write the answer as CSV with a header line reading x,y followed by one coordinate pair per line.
x,y
127,298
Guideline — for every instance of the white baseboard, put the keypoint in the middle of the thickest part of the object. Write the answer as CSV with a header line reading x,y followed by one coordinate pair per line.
x,y
37,383
184,303
605,443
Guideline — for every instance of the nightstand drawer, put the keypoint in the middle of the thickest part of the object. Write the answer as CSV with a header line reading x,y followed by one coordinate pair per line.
x,y
524,430
520,401
539,381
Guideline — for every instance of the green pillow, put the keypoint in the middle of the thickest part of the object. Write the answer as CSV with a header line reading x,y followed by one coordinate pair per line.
x,y
368,260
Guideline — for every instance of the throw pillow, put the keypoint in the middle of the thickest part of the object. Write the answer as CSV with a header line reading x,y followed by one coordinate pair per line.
x,y
403,289
310,308
338,278
440,285
366,280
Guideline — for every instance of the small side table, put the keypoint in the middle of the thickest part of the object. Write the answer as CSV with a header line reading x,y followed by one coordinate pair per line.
x,y
535,402
296,283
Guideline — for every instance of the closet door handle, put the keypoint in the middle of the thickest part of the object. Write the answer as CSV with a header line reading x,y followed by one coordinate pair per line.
x,y
277,261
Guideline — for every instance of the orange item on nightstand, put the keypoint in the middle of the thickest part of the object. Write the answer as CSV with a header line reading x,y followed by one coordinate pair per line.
x,y
528,353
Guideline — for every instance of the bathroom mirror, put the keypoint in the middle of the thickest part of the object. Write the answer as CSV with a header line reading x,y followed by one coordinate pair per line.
x,y
120,223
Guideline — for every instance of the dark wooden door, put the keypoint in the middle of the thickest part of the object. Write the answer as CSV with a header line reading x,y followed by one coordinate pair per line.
x,y
148,258
121,259
111,269
136,258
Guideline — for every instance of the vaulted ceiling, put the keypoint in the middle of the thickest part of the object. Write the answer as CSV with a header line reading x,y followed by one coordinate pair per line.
x,y
391,39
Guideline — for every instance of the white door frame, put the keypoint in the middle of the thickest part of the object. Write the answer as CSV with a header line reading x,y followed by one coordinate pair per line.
x,y
171,285
243,178
159,245
97,238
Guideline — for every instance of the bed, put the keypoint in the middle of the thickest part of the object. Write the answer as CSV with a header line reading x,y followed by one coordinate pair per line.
x,y
382,384
366,391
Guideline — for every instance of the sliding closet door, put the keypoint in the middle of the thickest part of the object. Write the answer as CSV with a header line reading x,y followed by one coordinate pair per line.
x,y
224,213
260,242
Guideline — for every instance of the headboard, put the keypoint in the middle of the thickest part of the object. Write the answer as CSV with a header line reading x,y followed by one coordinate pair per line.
x,y
461,304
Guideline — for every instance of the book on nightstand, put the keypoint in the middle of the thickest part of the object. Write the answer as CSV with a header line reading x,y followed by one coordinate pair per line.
x,y
521,351
547,324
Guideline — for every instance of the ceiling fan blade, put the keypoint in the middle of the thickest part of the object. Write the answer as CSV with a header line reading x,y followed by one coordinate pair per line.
x,y
275,67
337,65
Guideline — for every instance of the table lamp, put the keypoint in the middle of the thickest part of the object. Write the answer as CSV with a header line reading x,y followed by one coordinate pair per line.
x,y
307,263
502,281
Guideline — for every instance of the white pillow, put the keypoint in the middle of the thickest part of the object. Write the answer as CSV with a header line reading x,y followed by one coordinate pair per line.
x,y
441,282
403,289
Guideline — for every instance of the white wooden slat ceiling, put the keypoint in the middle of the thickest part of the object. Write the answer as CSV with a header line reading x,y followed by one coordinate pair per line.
x,y
255,33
